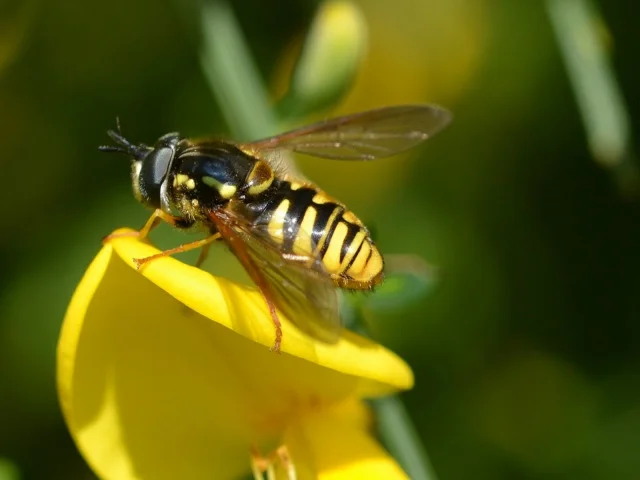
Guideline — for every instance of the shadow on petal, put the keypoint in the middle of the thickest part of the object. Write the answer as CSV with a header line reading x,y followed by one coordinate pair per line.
x,y
151,393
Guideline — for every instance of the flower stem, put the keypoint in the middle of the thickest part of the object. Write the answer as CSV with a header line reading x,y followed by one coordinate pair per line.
x,y
401,439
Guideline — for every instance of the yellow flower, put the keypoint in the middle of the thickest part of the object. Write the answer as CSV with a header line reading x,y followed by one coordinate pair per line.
x,y
167,374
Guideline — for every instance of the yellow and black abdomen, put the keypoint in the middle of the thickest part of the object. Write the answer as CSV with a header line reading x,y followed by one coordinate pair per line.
x,y
305,222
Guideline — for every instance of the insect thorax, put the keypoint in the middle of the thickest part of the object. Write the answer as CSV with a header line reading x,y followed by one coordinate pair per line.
x,y
207,176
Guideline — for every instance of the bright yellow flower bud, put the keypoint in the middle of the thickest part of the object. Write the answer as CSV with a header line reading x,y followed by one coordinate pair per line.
x,y
330,57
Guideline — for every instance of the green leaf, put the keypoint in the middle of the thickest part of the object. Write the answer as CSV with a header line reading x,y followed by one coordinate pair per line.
x,y
408,280
8,470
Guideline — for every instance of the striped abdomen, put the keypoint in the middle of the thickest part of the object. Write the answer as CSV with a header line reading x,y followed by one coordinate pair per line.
x,y
304,221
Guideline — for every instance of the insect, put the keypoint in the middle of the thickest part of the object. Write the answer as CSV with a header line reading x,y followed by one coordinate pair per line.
x,y
298,245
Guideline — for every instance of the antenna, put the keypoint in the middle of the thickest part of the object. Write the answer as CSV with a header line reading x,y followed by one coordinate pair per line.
x,y
123,145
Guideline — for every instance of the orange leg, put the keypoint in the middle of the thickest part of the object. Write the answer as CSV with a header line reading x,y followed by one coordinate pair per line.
x,y
179,249
261,464
204,253
154,220
276,322
236,245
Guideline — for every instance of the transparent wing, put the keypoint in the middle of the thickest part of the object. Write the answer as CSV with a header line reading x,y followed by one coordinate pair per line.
x,y
362,136
298,288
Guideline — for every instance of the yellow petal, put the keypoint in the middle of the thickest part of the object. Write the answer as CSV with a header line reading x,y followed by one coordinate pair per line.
x,y
243,310
333,446
151,389
144,398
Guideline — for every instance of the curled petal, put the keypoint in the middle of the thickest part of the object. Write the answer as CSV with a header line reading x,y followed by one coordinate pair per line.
x,y
243,310
166,374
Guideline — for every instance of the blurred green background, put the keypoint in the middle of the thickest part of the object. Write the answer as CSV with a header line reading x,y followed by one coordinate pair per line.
x,y
525,354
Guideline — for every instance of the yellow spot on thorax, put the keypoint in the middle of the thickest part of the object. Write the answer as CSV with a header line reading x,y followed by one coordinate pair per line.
x,y
260,178
180,179
259,188
226,190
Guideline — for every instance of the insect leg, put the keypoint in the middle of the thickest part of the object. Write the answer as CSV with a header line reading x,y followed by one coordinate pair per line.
x,y
204,253
181,248
276,321
154,220
159,215
236,245
265,290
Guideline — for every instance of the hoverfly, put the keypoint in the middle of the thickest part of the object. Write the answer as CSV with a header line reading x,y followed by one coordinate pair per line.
x,y
297,244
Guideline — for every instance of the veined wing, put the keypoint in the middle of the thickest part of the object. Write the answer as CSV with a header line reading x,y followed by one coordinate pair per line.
x,y
362,136
298,288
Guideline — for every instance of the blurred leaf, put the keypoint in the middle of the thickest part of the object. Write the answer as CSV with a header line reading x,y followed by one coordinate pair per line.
x,y
15,21
612,449
8,470
408,280
535,406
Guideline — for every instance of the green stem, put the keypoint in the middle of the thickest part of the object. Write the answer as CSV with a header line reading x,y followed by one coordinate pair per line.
x,y
602,107
400,437
232,76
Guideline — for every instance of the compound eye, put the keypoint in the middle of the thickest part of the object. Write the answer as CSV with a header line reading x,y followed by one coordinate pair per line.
x,y
154,171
